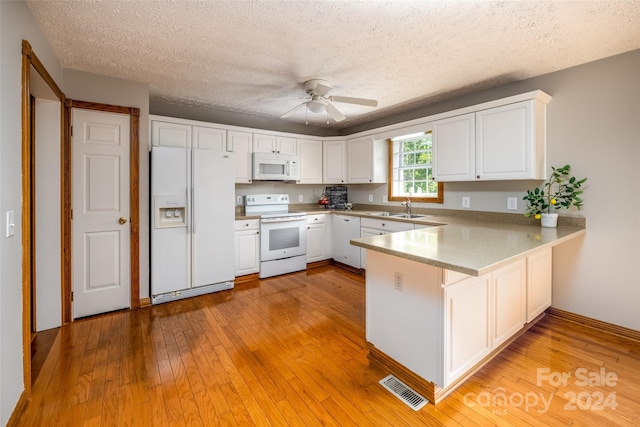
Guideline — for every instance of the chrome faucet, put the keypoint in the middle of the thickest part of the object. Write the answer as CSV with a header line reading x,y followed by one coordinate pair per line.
x,y
407,206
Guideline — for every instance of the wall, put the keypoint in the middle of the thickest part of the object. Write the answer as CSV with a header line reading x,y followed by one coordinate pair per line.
x,y
16,23
47,212
81,86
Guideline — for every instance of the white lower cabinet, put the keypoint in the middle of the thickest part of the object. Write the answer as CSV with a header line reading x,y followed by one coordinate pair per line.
x,y
466,325
508,294
346,228
318,238
538,283
247,246
450,321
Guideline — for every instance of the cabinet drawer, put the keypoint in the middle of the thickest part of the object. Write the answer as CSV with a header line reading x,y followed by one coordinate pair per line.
x,y
247,224
315,219
386,225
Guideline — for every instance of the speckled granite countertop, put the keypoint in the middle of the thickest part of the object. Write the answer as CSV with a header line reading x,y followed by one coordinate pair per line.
x,y
470,249
474,243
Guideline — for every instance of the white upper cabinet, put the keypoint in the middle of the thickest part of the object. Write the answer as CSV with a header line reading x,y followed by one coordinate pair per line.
x,y
206,138
309,161
334,162
274,144
501,140
241,144
510,142
367,160
454,148
165,134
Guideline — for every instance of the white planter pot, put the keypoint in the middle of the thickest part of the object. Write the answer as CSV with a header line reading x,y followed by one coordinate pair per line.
x,y
549,220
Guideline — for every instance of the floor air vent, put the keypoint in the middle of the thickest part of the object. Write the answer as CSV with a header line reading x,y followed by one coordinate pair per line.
x,y
403,392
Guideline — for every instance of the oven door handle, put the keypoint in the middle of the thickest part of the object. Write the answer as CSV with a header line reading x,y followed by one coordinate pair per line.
x,y
276,220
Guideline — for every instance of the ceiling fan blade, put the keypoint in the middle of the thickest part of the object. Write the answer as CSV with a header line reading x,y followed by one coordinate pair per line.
x,y
351,100
322,89
334,113
293,110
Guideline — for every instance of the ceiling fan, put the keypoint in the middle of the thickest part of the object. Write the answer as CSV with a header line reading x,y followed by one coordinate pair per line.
x,y
317,89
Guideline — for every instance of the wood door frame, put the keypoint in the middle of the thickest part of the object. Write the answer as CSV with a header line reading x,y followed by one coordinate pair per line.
x,y
29,60
67,193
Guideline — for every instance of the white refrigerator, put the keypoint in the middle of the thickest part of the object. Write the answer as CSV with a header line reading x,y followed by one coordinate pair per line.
x,y
192,205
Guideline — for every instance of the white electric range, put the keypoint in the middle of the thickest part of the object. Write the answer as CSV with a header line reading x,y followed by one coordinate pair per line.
x,y
283,234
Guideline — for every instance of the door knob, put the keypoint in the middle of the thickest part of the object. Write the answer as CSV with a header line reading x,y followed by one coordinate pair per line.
x,y
122,220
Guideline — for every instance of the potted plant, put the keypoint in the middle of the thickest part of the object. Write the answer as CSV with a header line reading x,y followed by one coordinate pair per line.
x,y
560,191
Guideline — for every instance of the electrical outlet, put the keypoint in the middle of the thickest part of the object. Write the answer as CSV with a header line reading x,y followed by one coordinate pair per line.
x,y
239,200
371,197
385,199
397,281
466,202
300,198
512,203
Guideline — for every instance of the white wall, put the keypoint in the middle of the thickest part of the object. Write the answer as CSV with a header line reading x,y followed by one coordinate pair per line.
x,y
16,23
81,86
47,210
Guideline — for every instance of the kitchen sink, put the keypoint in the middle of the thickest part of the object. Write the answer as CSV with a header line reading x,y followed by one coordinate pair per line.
x,y
397,215
383,214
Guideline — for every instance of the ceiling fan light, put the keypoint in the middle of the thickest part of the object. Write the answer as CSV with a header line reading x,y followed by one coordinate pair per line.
x,y
316,106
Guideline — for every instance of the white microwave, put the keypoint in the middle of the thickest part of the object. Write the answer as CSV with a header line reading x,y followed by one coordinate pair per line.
x,y
275,167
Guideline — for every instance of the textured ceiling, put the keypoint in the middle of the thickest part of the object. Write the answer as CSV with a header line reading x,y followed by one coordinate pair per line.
x,y
237,56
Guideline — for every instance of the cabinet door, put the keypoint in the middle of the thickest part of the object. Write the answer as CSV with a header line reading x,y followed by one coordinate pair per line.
x,y
360,160
264,143
334,162
367,232
508,287
165,134
454,148
310,160
212,139
247,252
286,145
240,143
505,142
315,243
538,283
466,325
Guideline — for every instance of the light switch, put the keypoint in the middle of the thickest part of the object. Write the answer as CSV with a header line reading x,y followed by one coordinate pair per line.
x,y
11,225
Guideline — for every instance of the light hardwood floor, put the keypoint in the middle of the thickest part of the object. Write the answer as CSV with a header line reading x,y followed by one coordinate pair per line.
x,y
291,351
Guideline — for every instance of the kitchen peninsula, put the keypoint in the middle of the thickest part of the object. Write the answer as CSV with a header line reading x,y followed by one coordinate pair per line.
x,y
442,301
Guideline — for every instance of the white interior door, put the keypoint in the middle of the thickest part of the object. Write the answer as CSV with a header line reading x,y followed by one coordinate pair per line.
x,y
101,226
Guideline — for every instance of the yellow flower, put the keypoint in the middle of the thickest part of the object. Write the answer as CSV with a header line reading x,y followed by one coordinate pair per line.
x,y
538,216
553,201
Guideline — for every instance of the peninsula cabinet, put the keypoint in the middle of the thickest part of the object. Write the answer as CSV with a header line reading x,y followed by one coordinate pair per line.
x,y
241,144
505,142
310,161
450,321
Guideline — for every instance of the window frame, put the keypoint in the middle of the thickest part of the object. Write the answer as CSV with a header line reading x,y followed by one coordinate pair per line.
x,y
390,180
